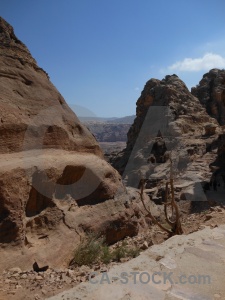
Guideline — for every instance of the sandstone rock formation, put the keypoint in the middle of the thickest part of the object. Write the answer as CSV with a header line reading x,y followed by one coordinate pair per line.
x,y
211,93
170,121
54,182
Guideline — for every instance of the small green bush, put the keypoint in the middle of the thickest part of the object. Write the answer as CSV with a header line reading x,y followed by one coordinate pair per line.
x,y
119,253
106,256
88,251
93,249
133,252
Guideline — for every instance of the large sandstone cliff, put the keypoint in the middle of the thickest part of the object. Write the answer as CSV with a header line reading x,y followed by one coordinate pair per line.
x,y
54,183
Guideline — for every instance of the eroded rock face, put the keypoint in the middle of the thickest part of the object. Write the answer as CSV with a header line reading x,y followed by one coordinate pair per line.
x,y
219,164
211,93
29,100
54,182
170,122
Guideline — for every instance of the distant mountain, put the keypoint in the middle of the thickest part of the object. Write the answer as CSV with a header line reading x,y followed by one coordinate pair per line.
x,y
109,129
113,120
123,120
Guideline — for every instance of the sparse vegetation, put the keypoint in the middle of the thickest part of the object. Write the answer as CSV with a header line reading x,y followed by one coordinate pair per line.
x,y
133,252
93,249
173,226
119,253
88,251
106,255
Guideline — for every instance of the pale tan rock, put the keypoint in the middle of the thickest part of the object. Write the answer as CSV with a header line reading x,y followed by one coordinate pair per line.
x,y
144,246
15,270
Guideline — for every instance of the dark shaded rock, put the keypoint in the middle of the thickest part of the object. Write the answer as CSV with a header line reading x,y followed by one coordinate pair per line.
x,y
211,93
36,268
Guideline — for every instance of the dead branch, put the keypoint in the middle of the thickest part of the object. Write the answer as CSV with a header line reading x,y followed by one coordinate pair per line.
x,y
177,229
166,204
175,225
142,183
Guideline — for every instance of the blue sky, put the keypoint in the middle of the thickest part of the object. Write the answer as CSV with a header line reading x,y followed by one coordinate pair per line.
x,y
100,53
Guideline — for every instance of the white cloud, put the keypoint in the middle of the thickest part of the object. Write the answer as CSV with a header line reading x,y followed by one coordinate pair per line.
x,y
205,63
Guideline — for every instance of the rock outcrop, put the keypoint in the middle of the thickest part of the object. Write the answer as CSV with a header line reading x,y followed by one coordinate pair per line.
x,y
170,123
54,182
211,93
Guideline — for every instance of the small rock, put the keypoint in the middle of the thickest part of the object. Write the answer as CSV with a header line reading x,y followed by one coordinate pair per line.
x,y
8,281
144,246
212,209
48,271
96,267
65,278
201,227
83,279
158,257
217,296
70,273
18,286
103,270
15,275
15,270
24,276
208,217
38,277
213,225
11,292
84,270
124,259
44,292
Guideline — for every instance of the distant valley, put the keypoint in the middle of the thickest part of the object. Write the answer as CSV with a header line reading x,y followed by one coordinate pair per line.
x,y
109,129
